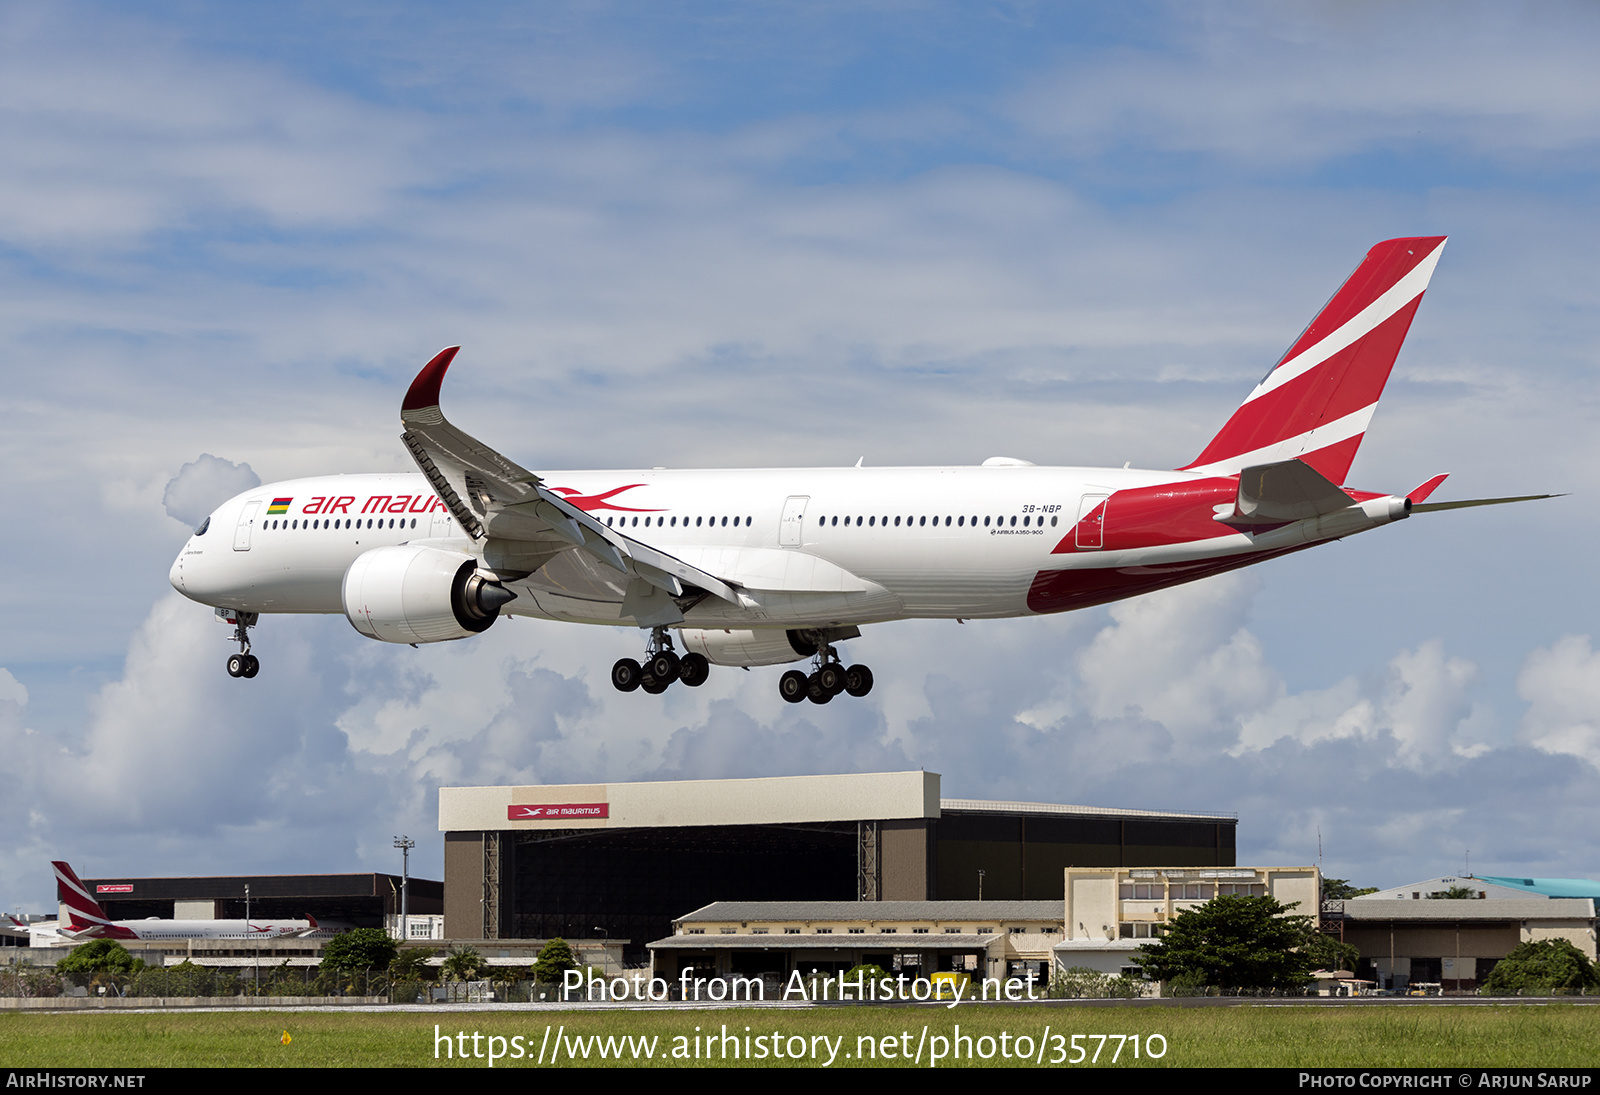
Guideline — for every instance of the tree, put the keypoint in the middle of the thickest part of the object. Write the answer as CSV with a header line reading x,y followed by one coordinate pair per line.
x,y
1234,942
554,960
1339,889
100,956
1538,969
463,963
358,950
411,964
1328,953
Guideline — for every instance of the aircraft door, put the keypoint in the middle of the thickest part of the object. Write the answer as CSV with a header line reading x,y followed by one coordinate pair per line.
x,y
793,522
1091,527
241,532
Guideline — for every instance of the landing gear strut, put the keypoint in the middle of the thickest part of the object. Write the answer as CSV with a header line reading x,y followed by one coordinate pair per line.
x,y
828,679
244,663
661,667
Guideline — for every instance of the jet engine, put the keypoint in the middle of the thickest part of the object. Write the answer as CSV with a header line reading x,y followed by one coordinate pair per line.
x,y
409,593
767,647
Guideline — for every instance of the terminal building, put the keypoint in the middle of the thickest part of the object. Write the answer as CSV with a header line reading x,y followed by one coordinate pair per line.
x,y
625,860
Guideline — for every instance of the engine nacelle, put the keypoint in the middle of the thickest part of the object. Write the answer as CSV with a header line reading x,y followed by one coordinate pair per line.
x,y
766,647
409,593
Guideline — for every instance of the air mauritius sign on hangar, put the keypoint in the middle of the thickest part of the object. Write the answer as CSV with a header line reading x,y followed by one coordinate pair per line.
x,y
557,811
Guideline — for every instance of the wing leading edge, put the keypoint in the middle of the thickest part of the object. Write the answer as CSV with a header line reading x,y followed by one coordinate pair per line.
x,y
520,525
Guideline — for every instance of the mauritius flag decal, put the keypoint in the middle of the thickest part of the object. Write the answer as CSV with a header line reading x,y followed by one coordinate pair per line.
x,y
279,505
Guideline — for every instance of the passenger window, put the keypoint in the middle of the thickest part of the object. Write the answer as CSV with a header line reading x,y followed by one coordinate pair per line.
x,y
872,521
1013,521
985,522
897,522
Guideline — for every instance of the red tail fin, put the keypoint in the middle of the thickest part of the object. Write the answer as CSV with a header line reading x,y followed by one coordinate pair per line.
x,y
83,911
1316,402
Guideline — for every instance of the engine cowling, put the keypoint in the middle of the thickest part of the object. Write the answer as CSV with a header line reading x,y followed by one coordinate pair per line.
x,y
409,593
766,647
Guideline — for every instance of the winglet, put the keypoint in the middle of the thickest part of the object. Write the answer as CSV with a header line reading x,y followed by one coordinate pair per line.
x,y
1422,492
424,390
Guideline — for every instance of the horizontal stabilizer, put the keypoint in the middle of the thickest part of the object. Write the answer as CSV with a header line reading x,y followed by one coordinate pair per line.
x,y
1289,490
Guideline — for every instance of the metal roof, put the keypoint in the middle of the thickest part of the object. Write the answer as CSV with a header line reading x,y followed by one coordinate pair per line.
x,y
841,911
901,942
985,806
1527,908
1549,887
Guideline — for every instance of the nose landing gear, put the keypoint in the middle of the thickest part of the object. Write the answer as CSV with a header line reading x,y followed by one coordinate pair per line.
x,y
243,664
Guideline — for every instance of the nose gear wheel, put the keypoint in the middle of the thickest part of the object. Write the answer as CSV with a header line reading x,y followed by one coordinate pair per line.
x,y
243,664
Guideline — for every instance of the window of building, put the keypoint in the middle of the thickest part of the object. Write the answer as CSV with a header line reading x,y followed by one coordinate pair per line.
x,y
791,931
919,931
824,931
858,931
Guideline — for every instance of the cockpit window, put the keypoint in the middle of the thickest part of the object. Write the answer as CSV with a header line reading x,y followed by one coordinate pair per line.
x,y
201,531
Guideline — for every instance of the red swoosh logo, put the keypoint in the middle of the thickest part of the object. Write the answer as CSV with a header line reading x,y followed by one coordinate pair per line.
x,y
590,502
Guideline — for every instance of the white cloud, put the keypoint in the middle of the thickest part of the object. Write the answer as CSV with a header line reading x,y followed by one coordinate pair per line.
x,y
1561,684
203,484
1181,658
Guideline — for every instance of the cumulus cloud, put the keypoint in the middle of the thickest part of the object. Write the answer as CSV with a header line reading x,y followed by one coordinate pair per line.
x,y
1561,684
203,484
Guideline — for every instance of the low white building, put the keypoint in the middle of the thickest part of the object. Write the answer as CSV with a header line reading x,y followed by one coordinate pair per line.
x,y
1112,911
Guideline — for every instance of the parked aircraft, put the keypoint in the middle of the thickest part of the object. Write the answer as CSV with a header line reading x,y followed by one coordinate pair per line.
x,y
766,566
85,919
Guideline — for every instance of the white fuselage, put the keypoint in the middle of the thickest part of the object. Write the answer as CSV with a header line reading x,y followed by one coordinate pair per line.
x,y
808,547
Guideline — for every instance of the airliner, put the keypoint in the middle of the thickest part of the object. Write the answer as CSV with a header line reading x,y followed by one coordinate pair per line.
x,y
768,566
85,919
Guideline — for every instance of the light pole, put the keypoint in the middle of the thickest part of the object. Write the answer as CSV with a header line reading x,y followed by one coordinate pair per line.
x,y
405,844
248,934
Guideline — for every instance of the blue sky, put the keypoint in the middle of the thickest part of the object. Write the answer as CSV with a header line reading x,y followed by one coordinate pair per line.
x,y
736,235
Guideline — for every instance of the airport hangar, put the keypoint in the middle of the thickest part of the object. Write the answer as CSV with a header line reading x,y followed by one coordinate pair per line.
x,y
365,900
622,861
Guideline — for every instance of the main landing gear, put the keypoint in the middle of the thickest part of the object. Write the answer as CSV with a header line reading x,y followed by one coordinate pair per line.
x,y
828,680
661,667
243,664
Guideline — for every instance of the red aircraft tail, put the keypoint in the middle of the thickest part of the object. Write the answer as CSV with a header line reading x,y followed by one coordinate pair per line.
x,y
1316,402
84,914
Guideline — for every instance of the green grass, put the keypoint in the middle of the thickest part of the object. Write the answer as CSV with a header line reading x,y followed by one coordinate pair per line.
x,y
1549,1036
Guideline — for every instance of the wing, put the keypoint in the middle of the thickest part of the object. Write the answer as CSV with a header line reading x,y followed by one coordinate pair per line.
x,y
519,524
